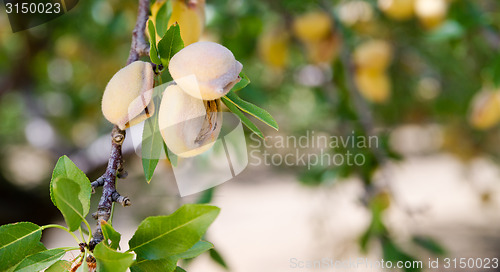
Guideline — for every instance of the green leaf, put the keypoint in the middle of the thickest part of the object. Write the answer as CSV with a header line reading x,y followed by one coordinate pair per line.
x,y
448,30
163,17
163,236
111,234
59,266
17,241
198,249
430,244
242,84
250,108
110,260
216,257
169,263
68,195
149,165
376,229
170,155
40,260
143,265
249,124
153,52
152,141
179,269
67,169
170,44
206,196
393,253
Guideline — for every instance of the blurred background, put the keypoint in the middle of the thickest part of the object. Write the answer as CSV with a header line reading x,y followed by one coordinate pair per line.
x,y
420,77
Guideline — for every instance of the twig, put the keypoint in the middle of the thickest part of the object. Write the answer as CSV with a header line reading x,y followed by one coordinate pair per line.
x,y
114,169
139,45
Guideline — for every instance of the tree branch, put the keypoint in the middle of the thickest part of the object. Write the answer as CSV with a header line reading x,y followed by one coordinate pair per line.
x,y
114,169
139,45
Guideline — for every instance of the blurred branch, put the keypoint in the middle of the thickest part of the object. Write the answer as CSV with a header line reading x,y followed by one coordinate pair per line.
x,y
361,108
139,45
364,114
138,48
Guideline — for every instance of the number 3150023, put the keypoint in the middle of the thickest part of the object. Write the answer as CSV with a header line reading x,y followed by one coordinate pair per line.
x,y
33,8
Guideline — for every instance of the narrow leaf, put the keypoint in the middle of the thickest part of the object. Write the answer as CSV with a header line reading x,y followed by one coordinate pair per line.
x,y
242,84
18,241
163,236
40,260
393,253
429,244
109,260
249,124
206,196
170,44
110,234
170,155
163,17
59,266
179,269
143,265
149,166
215,255
153,52
152,141
250,108
198,249
67,195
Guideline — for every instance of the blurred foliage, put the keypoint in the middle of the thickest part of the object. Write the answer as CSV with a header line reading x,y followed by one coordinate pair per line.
x,y
57,72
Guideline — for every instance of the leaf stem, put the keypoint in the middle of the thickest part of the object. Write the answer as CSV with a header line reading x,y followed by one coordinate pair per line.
x,y
112,213
88,228
69,248
62,228
81,233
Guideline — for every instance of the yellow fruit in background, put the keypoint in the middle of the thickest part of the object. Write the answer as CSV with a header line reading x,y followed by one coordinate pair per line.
x,y
273,47
373,54
355,12
323,51
190,17
127,95
313,26
431,13
374,86
397,9
68,46
485,110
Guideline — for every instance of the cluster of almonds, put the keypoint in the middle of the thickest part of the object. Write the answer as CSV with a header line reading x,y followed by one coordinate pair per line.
x,y
190,114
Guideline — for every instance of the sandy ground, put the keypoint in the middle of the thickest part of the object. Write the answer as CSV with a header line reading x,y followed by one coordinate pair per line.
x,y
271,223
